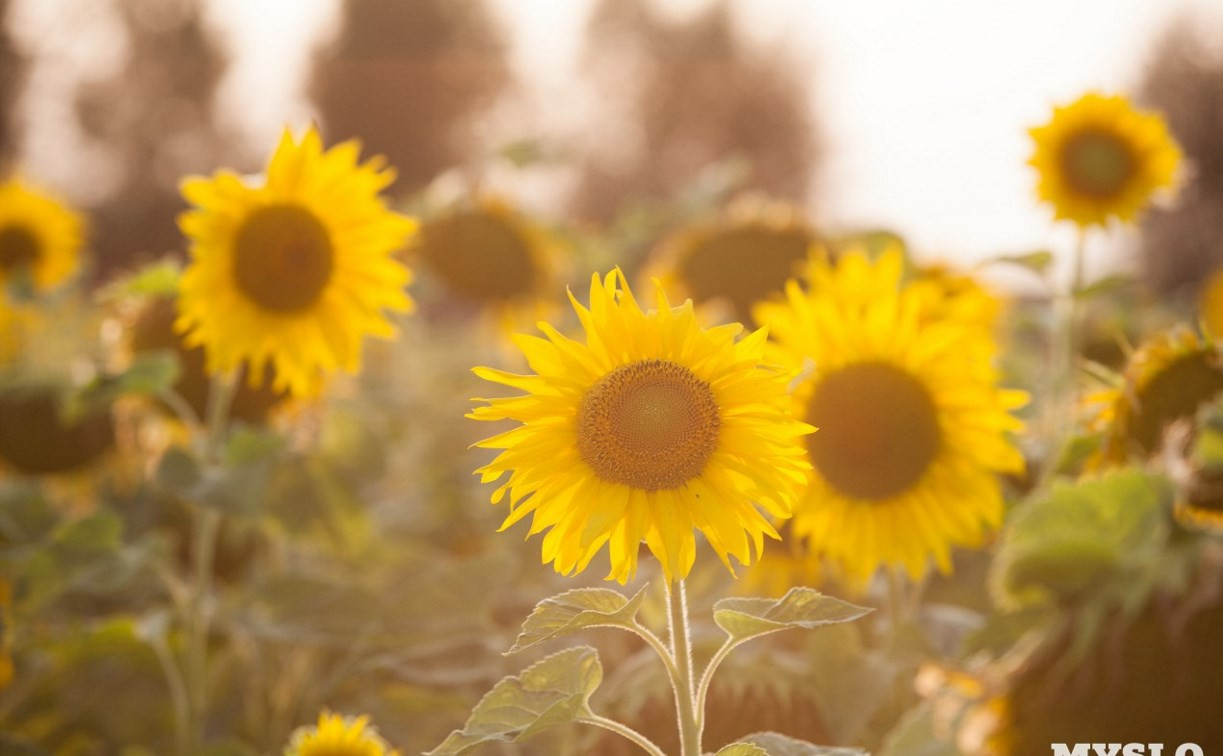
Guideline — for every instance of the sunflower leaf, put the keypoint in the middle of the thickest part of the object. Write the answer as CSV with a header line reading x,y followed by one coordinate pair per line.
x,y
550,692
744,618
776,744
1038,262
574,610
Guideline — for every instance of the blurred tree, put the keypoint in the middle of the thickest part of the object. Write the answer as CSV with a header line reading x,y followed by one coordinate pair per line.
x,y
687,95
12,78
410,79
1182,244
156,117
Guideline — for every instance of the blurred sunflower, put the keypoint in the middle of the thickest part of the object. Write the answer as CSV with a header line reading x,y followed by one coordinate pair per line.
x,y
779,569
913,428
650,428
1166,380
1099,158
37,439
335,735
1210,305
956,296
737,261
489,254
291,273
40,237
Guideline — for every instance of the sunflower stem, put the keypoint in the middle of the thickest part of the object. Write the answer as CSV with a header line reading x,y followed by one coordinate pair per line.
x,y
702,689
207,525
646,744
681,652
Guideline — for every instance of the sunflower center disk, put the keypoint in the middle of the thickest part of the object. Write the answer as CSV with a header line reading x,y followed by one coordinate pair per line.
x,y
744,265
18,248
1097,164
878,430
650,425
283,258
1174,393
480,256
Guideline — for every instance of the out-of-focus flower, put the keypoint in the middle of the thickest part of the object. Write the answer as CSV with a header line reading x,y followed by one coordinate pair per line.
x,y
744,258
1099,158
40,237
36,439
489,254
650,428
292,272
335,735
913,426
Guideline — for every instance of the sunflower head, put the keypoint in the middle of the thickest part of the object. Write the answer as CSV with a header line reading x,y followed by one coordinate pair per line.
x,y
36,439
1166,380
335,735
744,258
488,253
913,428
292,270
1100,158
649,428
40,237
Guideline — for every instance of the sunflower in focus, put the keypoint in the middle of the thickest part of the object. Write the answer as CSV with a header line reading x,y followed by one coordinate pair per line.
x,y
335,735
40,237
737,261
648,429
1100,158
490,255
291,271
913,428
1166,379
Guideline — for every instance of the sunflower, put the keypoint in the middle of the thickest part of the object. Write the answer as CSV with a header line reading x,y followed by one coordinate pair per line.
x,y
1166,380
1100,158
1210,305
335,735
736,261
488,254
6,632
913,428
40,237
651,427
291,272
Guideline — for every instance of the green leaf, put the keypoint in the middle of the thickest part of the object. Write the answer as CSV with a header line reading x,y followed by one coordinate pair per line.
x,y
150,374
179,471
1105,285
1099,539
158,279
744,618
1038,262
776,744
574,610
550,692
915,735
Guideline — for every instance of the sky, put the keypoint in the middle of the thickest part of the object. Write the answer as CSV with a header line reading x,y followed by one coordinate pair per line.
x,y
923,106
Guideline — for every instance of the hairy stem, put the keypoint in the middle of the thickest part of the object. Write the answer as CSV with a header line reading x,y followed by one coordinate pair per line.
x,y
621,729
681,652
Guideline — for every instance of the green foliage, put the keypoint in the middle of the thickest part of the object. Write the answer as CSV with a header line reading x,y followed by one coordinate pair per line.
x,y
746,618
577,609
776,744
551,692
915,736
151,373
1037,261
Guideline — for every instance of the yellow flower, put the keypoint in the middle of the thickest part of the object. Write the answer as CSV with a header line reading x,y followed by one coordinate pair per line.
x,y
737,261
1166,380
913,428
292,271
335,735
40,237
651,427
1210,305
1100,158
489,254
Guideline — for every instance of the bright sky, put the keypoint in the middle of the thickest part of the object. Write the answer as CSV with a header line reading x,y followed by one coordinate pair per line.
x,y
923,105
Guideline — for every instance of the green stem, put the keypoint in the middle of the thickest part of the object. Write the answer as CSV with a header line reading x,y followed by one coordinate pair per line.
x,y
702,690
681,652
896,599
1074,314
621,729
180,698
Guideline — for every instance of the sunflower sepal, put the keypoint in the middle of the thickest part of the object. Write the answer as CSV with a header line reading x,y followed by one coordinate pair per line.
x,y
776,744
554,691
746,618
577,609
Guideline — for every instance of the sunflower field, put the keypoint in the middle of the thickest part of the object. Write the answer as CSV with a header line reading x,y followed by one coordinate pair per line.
x,y
368,455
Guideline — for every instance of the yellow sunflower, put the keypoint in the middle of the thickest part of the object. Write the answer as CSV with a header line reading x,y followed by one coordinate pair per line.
x,y
335,735
1100,158
736,261
650,428
1210,305
913,428
1166,380
290,272
489,254
40,237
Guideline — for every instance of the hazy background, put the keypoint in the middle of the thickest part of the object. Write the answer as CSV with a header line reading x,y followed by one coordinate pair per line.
x,y
916,111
